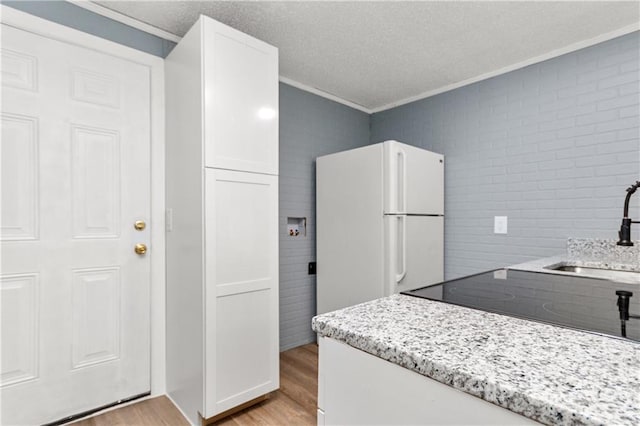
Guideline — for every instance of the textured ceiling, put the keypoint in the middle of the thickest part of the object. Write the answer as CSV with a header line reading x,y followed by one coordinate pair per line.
x,y
376,54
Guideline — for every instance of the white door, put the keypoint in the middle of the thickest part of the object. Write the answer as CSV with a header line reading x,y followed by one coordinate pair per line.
x,y
415,252
75,178
242,353
414,180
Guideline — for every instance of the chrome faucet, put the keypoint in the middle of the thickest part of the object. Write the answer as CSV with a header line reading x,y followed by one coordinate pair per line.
x,y
625,229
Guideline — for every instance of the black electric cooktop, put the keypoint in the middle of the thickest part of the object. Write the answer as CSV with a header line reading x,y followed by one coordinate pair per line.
x,y
588,304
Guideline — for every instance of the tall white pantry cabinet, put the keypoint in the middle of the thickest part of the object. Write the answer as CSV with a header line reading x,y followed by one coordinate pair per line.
x,y
222,220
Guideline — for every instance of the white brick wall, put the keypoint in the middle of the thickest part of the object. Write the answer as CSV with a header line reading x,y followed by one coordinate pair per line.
x,y
553,146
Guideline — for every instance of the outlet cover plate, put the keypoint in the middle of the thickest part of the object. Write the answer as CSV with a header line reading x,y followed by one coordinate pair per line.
x,y
500,225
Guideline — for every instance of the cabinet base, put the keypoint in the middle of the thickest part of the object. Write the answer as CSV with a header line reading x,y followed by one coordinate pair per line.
x,y
218,417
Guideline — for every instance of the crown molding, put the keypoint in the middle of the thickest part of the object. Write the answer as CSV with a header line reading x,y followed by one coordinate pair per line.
x,y
324,94
124,19
536,59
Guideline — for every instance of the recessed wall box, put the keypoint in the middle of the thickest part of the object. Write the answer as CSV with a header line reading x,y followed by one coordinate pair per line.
x,y
297,226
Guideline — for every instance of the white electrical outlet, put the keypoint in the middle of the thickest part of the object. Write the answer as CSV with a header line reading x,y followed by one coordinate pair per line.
x,y
500,225
500,274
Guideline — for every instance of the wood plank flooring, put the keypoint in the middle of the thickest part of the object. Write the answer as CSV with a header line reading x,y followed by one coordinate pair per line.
x,y
294,403
158,411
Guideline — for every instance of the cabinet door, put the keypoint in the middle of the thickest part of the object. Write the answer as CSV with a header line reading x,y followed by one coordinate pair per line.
x,y
241,101
241,288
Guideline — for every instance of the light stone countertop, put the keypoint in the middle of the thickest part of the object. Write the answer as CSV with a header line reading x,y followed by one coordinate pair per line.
x,y
604,255
590,253
550,374
629,276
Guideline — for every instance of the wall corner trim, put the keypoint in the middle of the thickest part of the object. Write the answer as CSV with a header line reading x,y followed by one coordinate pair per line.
x,y
324,94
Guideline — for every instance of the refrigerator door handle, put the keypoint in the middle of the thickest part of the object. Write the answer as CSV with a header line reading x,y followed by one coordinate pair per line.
x,y
402,181
402,247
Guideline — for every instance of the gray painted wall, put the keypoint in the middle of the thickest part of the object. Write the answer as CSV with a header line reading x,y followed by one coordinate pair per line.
x,y
310,126
553,146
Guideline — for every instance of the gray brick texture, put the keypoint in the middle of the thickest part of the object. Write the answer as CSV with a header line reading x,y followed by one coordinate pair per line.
x,y
310,126
553,146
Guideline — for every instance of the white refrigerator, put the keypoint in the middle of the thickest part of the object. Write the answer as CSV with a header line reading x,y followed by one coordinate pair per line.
x,y
379,223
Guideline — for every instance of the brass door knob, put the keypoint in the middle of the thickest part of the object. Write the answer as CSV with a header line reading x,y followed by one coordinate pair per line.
x,y
139,225
140,249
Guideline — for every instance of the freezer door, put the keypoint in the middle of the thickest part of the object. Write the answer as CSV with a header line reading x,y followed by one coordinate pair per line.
x,y
414,255
414,180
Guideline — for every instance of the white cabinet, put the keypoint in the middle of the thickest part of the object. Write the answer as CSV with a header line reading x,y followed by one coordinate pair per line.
x,y
241,217
241,101
222,220
356,388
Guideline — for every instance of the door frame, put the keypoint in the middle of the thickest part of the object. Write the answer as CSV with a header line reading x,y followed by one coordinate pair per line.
x,y
54,31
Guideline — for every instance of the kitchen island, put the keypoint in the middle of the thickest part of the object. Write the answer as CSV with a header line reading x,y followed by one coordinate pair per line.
x,y
545,373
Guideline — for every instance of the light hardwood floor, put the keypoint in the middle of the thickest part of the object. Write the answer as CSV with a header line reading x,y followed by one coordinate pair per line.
x,y
158,411
293,404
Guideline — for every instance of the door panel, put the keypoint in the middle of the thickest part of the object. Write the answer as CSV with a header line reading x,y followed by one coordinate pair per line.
x,y
241,288
414,180
75,177
96,325
415,251
241,101
244,347
19,338
20,167
95,182
19,70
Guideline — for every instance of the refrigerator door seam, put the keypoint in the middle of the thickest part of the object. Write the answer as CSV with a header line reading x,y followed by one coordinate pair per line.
x,y
413,214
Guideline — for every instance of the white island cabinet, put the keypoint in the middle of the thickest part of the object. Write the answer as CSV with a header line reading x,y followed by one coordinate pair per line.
x,y
222,220
356,388
408,360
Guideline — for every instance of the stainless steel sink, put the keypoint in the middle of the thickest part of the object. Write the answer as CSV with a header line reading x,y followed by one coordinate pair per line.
x,y
612,274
